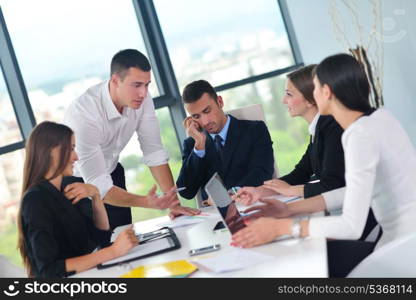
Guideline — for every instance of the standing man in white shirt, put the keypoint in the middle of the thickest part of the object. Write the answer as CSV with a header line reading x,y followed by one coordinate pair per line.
x,y
104,119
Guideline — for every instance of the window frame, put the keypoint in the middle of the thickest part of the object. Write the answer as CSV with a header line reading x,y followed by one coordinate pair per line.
x,y
161,64
16,89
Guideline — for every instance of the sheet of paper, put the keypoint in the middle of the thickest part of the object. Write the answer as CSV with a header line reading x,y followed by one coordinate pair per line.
x,y
232,260
284,199
188,220
143,249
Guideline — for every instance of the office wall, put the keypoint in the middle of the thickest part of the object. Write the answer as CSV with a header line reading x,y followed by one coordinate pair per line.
x,y
314,30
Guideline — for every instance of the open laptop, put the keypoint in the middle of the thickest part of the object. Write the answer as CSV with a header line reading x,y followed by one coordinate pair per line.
x,y
225,205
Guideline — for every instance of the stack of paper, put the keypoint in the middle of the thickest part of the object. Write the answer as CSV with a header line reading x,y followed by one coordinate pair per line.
x,y
284,199
187,220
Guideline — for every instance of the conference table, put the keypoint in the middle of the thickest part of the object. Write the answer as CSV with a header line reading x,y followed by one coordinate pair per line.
x,y
290,257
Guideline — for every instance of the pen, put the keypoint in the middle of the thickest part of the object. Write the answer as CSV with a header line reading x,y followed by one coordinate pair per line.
x,y
176,191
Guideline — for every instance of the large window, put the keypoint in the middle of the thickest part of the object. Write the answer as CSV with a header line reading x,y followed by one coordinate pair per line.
x,y
63,47
224,41
11,166
10,175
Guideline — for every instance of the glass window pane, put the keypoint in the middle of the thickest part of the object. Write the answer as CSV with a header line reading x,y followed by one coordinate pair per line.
x,y
64,47
138,176
290,136
9,128
223,41
11,170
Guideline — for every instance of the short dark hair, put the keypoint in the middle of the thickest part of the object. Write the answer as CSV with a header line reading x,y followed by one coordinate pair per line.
x,y
129,58
347,79
302,79
194,91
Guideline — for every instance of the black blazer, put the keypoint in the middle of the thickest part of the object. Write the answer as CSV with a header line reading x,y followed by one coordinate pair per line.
x,y
324,158
248,158
54,230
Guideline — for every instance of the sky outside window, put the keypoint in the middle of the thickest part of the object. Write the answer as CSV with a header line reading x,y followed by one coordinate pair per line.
x,y
64,47
223,41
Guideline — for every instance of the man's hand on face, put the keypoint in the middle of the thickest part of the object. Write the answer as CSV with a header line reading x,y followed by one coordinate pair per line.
x,y
194,130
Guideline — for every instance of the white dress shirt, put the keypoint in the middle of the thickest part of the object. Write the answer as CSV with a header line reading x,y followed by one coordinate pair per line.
x,y
223,134
312,126
101,133
380,166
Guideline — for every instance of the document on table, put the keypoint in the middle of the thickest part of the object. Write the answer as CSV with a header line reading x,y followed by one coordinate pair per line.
x,y
232,260
188,220
284,199
142,249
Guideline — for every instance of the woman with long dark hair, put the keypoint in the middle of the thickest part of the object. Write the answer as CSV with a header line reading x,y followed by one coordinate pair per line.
x,y
380,163
55,235
321,168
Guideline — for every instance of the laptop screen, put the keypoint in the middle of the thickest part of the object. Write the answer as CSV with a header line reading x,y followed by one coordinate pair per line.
x,y
225,205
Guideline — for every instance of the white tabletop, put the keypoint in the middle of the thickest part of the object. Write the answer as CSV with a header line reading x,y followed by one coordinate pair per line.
x,y
292,257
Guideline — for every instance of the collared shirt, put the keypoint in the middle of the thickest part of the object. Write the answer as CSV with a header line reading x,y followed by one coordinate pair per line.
x,y
223,134
101,133
312,126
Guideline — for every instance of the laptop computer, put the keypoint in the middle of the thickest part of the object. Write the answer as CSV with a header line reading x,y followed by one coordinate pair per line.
x,y
227,208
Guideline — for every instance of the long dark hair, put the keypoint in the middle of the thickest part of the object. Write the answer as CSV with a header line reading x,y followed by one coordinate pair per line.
x,y
347,79
43,138
302,79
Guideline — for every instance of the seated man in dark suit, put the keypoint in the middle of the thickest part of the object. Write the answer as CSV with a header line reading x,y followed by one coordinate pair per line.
x,y
239,150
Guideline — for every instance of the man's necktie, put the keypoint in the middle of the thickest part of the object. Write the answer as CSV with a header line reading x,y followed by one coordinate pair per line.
x,y
218,146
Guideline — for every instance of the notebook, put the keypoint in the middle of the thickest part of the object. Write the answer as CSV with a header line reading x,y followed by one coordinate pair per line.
x,y
154,243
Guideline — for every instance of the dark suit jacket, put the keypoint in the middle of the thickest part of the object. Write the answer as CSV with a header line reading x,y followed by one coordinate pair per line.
x,y
248,158
324,158
54,230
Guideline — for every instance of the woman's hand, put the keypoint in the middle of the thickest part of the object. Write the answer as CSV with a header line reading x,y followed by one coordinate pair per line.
x,y
126,240
269,208
282,187
77,191
261,231
247,195
167,200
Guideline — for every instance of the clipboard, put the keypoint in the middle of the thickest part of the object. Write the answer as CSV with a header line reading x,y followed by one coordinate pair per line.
x,y
157,242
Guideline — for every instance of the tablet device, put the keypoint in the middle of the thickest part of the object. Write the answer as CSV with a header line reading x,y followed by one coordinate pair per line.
x,y
163,240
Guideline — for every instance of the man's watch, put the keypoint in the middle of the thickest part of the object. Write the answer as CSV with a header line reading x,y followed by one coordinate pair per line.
x,y
296,228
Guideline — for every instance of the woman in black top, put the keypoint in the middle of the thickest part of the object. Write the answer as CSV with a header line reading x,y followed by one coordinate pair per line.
x,y
56,235
323,161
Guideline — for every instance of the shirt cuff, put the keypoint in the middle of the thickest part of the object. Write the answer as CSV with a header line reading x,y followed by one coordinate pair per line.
x,y
334,199
103,183
317,227
199,153
157,158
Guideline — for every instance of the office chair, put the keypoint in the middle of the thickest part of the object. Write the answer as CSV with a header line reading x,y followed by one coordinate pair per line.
x,y
395,259
253,112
